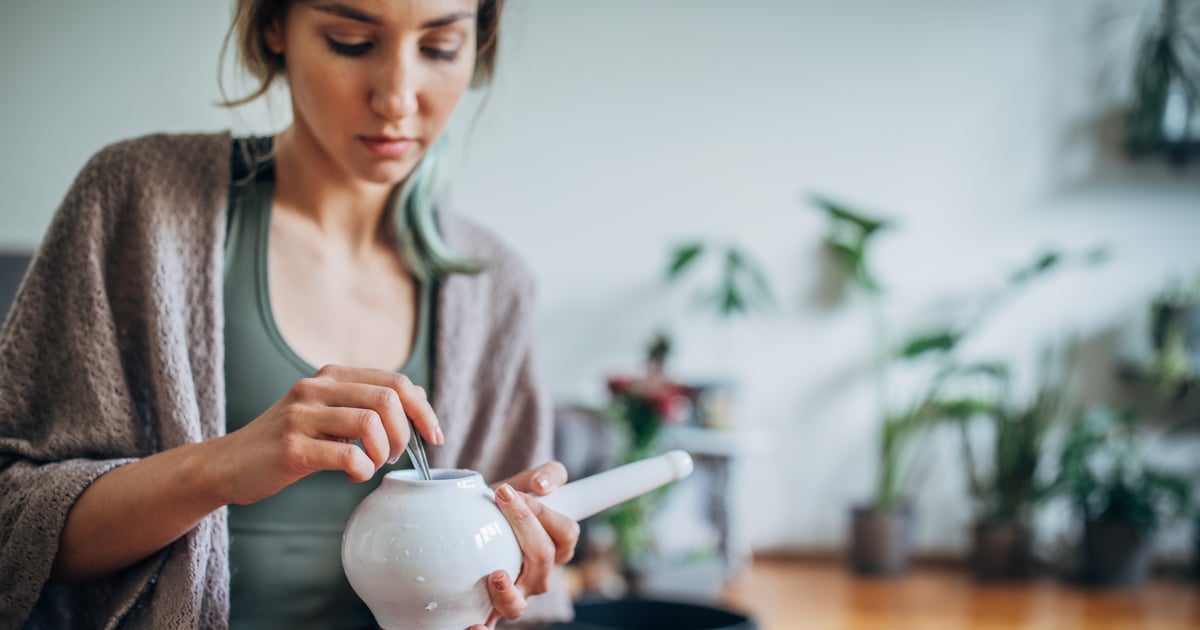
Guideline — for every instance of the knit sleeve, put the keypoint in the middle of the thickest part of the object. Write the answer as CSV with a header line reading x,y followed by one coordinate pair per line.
x,y
66,415
524,399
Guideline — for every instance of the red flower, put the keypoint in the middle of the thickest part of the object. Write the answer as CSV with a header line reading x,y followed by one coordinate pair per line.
x,y
669,399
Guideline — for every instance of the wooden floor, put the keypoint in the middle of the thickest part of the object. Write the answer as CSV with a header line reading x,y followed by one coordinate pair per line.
x,y
787,594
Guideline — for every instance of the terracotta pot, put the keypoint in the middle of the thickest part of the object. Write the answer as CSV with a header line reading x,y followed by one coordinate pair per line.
x,y
1196,550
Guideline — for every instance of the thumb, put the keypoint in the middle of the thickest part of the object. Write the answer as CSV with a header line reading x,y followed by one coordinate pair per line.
x,y
540,480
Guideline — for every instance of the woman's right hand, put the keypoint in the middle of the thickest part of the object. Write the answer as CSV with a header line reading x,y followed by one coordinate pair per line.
x,y
313,428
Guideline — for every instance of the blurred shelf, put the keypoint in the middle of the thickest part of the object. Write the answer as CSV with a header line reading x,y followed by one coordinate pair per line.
x,y
711,442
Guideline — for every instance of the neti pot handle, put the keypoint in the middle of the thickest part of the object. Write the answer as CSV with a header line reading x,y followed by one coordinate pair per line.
x,y
590,495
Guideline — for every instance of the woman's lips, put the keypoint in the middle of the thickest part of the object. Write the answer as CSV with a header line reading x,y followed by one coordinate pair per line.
x,y
387,146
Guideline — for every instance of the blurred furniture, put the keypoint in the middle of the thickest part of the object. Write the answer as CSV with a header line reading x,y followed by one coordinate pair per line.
x,y
12,269
699,542
717,454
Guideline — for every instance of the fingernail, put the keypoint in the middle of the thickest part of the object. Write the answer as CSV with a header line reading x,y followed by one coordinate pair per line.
x,y
499,582
394,459
504,493
441,437
543,482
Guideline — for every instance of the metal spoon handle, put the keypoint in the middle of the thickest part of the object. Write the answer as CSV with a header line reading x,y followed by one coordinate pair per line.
x,y
416,453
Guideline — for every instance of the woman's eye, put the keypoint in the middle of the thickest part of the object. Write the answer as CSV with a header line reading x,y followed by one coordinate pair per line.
x,y
441,54
348,50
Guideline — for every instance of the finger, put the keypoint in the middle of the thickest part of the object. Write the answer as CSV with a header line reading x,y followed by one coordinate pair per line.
x,y
311,455
383,400
352,423
562,529
540,480
506,597
537,548
412,397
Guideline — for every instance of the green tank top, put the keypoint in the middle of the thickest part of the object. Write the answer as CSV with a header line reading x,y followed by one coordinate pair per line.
x,y
285,551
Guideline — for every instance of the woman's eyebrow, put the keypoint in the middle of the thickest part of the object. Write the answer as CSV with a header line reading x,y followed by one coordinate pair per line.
x,y
447,20
349,12
358,15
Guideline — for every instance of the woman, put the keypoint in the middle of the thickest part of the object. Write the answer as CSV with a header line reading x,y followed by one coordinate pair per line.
x,y
160,360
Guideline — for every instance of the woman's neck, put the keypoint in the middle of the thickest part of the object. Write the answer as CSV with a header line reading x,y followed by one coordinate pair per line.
x,y
309,183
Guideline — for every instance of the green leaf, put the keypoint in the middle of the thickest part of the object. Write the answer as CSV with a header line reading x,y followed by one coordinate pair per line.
x,y
732,302
682,258
733,260
1043,264
845,255
759,280
964,408
867,281
740,286
748,278
987,368
839,212
1047,261
940,341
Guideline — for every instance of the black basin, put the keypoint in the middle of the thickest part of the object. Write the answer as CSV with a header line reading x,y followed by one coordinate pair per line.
x,y
650,614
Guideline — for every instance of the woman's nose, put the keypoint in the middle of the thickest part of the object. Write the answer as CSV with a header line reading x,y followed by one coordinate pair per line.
x,y
395,93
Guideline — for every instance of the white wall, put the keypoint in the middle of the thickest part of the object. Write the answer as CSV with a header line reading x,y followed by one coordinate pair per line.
x,y
617,128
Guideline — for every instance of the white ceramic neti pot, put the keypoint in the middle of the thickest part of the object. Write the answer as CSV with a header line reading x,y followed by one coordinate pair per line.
x,y
417,552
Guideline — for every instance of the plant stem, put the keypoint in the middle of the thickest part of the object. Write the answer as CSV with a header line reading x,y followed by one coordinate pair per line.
x,y
885,491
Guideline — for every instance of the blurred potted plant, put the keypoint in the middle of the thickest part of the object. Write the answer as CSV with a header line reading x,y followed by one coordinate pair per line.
x,y
881,530
1122,499
1174,371
1166,85
1009,487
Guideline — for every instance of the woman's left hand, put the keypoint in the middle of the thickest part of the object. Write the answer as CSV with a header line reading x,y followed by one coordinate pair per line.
x,y
547,539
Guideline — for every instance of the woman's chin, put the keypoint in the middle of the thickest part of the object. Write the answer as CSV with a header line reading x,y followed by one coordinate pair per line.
x,y
385,174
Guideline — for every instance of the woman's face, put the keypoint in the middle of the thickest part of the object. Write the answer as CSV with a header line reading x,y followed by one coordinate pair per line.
x,y
374,82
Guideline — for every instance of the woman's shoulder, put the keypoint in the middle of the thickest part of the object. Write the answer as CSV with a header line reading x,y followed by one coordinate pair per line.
x,y
168,154
145,183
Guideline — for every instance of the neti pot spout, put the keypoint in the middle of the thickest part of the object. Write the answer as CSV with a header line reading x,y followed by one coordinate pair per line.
x,y
591,495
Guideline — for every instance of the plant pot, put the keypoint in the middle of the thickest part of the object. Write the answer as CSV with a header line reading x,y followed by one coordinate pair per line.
x,y
1001,550
1115,554
880,540
1185,317
1196,550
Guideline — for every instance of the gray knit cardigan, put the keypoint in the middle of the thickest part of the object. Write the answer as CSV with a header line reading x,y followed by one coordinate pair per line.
x,y
113,351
